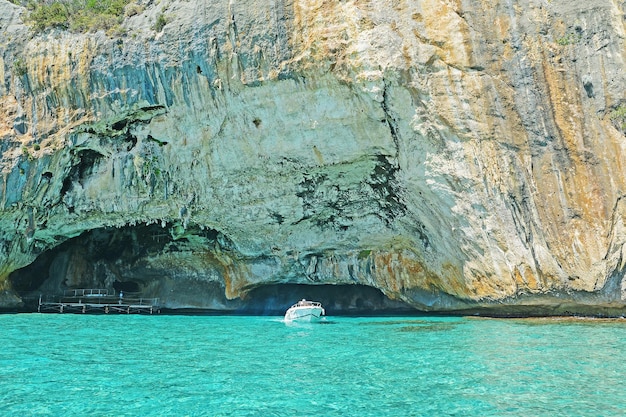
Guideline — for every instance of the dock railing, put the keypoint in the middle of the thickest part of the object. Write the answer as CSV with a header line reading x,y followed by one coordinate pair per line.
x,y
87,292
99,300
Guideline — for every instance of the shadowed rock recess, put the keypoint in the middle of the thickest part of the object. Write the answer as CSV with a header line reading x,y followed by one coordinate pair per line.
x,y
425,155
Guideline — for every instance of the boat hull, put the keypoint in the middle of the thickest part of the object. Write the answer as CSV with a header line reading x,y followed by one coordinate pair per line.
x,y
304,314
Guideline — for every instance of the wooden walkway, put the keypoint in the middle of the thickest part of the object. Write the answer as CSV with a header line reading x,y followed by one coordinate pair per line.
x,y
99,301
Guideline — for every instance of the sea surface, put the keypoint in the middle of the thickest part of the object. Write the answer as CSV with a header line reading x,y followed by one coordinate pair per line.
x,y
132,365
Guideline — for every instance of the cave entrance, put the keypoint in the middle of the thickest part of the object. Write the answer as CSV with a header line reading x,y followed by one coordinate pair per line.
x,y
92,260
336,299
126,286
119,259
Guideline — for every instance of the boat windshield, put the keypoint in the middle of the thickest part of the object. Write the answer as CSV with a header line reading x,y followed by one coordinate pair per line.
x,y
306,303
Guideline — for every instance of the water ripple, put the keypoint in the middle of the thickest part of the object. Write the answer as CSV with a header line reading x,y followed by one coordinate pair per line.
x,y
53,365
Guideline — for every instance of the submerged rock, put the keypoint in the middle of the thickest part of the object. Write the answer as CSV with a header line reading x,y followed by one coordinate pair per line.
x,y
454,156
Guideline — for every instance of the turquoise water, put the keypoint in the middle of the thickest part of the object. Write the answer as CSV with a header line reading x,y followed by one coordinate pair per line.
x,y
116,365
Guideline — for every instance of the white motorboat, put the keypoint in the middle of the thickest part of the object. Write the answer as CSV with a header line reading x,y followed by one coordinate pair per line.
x,y
305,310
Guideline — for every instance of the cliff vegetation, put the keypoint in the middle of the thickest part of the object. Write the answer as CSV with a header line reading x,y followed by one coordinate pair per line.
x,y
78,15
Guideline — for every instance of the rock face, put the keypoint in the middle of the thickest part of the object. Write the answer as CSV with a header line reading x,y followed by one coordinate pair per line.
x,y
455,155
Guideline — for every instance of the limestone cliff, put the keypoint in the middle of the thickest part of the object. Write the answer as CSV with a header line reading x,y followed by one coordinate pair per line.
x,y
454,154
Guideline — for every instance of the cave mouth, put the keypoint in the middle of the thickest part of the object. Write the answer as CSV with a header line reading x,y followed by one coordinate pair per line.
x,y
126,286
93,259
118,259
338,300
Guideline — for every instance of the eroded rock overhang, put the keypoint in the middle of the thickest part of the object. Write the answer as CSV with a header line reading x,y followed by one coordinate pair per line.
x,y
419,150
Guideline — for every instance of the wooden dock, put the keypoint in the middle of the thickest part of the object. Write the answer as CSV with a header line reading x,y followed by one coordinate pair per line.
x,y
99,301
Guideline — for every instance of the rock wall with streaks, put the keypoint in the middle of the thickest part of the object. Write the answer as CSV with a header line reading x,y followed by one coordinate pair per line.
x,y
454,154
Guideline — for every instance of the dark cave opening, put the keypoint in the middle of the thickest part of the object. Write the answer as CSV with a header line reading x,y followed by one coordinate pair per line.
x,y
126,286
32,276
87,161
119,260
89,260
337,300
